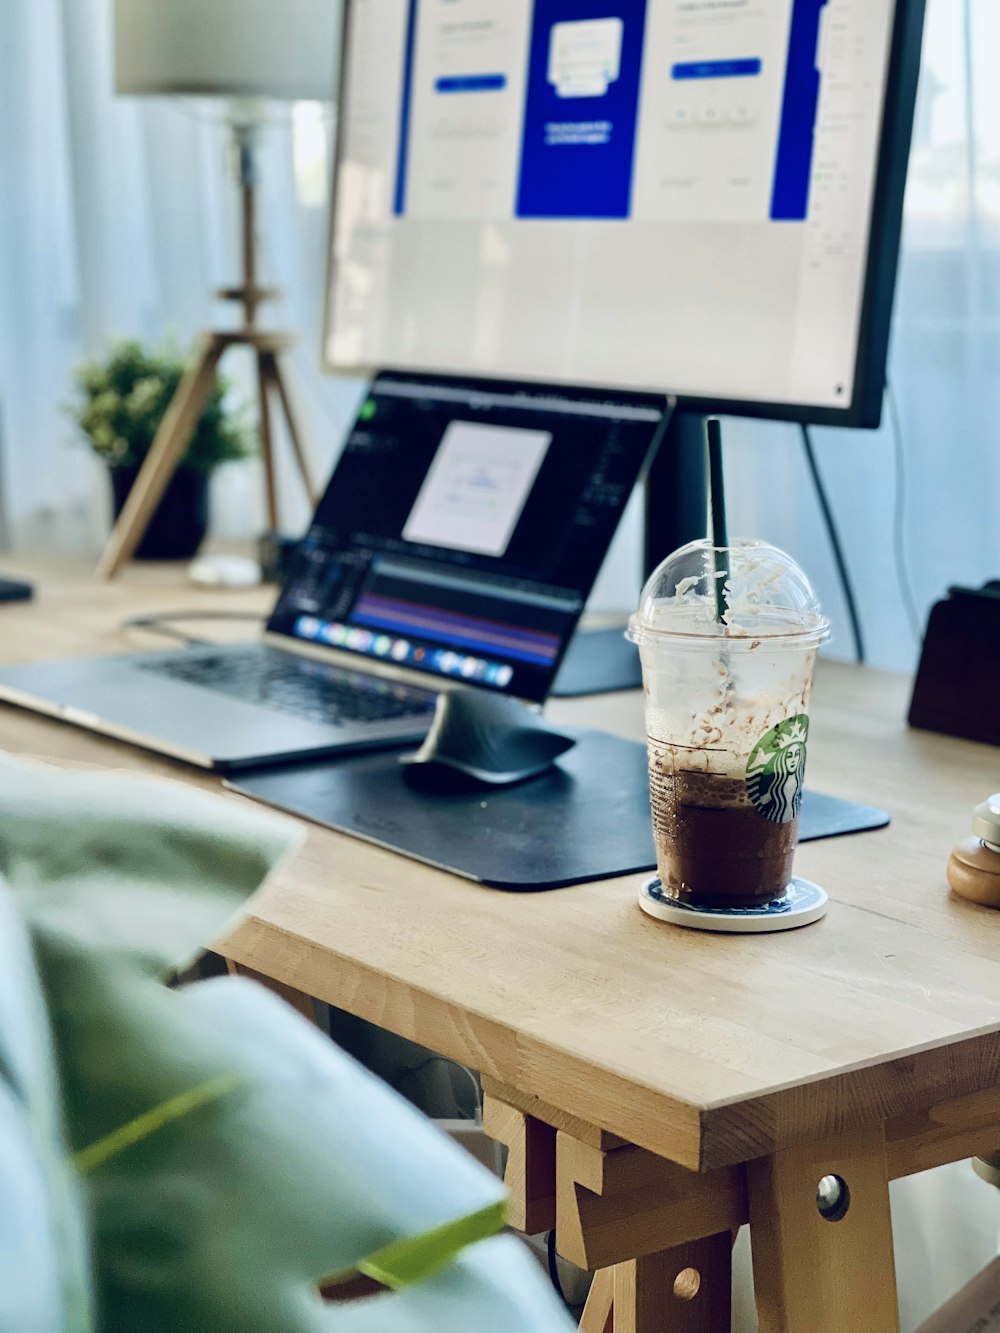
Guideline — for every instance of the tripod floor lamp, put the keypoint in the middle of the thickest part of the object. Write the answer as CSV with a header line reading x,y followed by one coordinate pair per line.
x,y
250,53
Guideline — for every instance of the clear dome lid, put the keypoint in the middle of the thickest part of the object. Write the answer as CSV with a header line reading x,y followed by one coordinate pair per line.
x,y
747,591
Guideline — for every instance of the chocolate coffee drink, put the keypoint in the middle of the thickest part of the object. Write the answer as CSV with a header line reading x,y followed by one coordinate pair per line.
x,y
713,846
727,639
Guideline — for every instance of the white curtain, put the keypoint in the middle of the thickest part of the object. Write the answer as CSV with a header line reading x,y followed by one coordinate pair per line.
x,y
117,218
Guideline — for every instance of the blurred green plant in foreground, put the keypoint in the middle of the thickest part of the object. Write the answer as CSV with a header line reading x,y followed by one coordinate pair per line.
x,y
202,1158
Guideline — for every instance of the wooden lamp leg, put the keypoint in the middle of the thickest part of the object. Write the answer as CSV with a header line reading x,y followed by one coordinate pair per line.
x,y
279,373
264,383
167,450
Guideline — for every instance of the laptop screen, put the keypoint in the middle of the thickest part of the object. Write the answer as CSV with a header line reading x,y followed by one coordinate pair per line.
x,y
464,526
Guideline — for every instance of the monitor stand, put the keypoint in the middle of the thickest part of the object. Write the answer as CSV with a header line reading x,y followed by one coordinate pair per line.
x,y
676,507
598,661
479,740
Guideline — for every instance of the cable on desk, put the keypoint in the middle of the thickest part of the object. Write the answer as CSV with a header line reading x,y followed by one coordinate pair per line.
x,y
477,1091
835,546
550,1250
160,624
898,515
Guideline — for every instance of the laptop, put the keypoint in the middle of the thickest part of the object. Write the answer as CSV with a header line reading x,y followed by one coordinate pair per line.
x,y
455,546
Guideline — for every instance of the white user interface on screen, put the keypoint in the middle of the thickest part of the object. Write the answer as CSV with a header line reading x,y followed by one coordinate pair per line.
x,y
671,194
476,487
584,56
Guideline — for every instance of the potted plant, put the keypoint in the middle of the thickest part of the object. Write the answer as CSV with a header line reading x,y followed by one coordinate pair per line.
x,y
122,400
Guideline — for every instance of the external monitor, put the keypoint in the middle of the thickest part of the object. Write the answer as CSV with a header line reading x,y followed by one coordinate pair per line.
x,y
699,197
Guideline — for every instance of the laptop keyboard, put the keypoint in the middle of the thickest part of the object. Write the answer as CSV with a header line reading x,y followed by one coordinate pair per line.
x,y
294,685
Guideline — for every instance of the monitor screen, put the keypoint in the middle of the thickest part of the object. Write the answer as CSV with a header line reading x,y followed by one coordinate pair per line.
x,y
672,195
464,525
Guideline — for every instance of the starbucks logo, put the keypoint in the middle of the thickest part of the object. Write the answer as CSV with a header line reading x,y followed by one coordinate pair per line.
x,y
776,769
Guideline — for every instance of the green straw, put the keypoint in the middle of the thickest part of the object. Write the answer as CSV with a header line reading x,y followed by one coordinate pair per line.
x,y
719,534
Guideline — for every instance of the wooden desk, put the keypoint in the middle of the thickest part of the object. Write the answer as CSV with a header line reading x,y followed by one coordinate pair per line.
x,y
658,1087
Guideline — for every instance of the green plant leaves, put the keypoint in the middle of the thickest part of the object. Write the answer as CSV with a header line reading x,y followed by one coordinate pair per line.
x,y
494,1287
233,1157
123,398
145,871
157,1118
232,1215
45,1282
401,1263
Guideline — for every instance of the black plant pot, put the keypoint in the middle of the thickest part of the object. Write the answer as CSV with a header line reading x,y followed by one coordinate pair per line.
x,y
180,521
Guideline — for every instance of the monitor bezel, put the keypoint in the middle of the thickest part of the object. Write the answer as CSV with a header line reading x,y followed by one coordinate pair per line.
x,y
878,293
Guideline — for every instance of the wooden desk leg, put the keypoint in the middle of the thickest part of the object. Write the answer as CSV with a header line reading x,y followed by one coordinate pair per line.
x,y
598,1314
530,1175
811,1274
687,1289
280,376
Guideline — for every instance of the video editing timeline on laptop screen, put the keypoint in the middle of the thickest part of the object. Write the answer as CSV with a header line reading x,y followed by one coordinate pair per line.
x,y
464,525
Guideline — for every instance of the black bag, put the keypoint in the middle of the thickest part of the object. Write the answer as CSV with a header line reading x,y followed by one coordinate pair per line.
x,y
957,689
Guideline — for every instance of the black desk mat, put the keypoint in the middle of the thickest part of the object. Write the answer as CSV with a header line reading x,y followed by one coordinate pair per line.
x,y
586,818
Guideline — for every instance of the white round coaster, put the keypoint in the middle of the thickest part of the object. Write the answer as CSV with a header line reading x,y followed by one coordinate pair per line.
x,y
801,905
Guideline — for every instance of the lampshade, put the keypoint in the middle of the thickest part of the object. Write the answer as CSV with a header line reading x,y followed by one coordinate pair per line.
x,y
282,49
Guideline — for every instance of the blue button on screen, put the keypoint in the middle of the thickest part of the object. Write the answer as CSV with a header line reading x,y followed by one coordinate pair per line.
x,y
716,69
471,83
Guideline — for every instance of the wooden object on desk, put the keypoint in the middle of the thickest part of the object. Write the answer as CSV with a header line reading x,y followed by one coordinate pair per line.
x,y
182,416
711,1052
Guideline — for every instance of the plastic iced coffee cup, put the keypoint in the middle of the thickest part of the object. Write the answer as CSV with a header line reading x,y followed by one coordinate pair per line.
x,y
728,639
